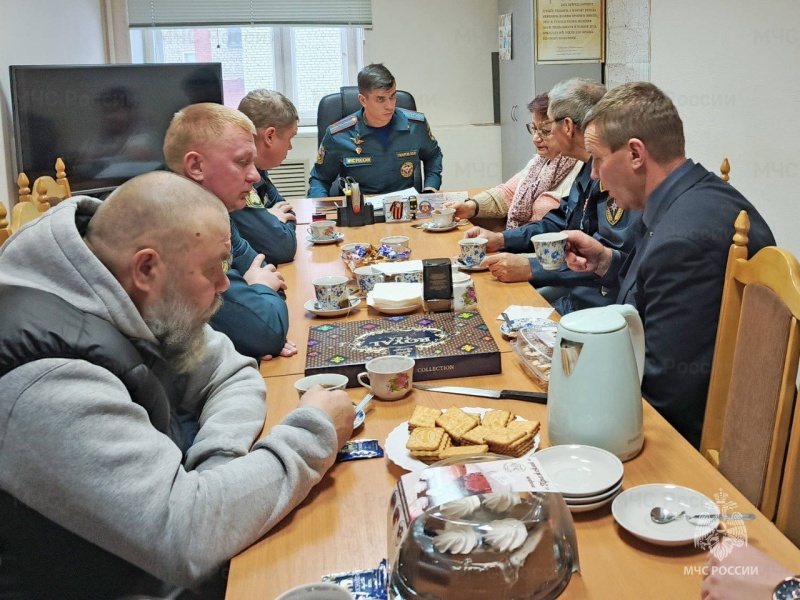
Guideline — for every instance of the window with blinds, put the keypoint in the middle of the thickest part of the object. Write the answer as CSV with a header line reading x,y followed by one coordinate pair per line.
x,y
304,48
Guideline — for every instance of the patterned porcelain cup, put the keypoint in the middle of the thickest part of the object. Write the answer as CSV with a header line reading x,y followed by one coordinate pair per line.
x,y
367,277
464,297
409,277
389,377
550,249
331,292
330,381
473,251
322,230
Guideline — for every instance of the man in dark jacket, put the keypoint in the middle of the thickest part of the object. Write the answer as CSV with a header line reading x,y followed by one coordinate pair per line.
x,y
675,274
267,222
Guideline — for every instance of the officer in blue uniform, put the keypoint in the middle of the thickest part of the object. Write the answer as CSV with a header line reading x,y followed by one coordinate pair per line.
x,y
381,147
267,221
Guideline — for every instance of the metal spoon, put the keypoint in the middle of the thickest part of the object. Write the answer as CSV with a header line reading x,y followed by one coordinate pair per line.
x,y
508,321
663,515
364,402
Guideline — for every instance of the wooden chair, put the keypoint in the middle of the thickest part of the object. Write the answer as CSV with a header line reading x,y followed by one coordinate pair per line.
x,y
752,389
724,170
48,192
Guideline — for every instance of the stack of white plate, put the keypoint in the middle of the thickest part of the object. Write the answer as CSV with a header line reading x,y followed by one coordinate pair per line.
x,y
586,476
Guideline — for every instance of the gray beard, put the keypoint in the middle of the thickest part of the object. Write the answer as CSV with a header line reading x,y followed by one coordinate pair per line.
x,y
180,333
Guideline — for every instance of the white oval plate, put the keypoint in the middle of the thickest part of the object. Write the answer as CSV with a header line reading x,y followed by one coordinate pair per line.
x,y
580,508
394,310
430,226
573,501
311,306
337,237
631,509
464,267
581,471
395,445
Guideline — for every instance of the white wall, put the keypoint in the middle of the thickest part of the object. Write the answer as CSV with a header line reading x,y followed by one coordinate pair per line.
x,y
42,32
731,68
441,52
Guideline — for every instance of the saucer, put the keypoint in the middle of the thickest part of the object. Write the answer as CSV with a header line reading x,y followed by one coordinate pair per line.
x,y
337,237
359,420
464,267
580,508
631,510
431,226
581,471
311,306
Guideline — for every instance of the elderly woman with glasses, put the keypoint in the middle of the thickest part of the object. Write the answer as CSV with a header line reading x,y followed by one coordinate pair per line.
x,y
535,190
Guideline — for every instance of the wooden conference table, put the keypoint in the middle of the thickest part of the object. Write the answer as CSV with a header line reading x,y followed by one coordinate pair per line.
x,y
342,525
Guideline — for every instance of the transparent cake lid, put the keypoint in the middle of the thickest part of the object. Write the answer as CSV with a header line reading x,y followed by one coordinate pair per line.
x,y
509,545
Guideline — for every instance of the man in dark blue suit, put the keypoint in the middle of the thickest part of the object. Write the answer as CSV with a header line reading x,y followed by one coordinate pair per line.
x,y
675,274
587,208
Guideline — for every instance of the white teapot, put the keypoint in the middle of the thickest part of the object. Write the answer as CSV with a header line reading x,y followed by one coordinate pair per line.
x,y
595,393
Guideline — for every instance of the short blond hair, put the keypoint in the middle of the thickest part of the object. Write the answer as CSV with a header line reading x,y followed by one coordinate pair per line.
x,y
640,110
267,108
197,124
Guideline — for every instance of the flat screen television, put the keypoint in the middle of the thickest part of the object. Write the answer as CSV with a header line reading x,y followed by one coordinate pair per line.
x,y
107,122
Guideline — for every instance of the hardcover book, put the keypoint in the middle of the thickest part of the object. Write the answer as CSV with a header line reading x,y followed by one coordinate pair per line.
x,y
444,345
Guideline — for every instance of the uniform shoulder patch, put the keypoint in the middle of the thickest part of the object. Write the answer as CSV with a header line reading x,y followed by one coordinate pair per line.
x,y
253,200
613,212
345,123
413,114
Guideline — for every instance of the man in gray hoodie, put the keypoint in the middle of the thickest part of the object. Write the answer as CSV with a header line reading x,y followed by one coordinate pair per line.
x,y
104,348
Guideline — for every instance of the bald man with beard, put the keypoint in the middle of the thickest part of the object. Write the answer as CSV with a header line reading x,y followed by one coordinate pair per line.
x,y
130,455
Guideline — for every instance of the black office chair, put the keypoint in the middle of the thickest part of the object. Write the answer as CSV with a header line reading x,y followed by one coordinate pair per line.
x,y
337,106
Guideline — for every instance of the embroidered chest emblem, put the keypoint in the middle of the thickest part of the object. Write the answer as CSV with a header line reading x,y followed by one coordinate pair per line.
x,y
357,141
613,212
407,169
253,201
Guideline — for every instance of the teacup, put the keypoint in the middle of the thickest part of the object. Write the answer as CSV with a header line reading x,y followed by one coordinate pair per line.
x,y
550,249
331,292
473,251
330,381
409,277
317,591
367,277
396,242
322,230
388,377
443,217
464,297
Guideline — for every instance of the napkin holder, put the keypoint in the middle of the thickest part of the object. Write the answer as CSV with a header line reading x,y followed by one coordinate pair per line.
x,y
346,216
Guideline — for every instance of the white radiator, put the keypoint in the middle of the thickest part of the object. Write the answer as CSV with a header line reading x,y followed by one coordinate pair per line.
x,y
291,178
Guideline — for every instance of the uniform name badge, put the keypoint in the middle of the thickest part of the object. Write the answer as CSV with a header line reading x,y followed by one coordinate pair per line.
x,y
357,161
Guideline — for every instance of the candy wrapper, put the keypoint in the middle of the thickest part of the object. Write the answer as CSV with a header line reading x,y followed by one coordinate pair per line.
x,y
357,449
369,584
361,256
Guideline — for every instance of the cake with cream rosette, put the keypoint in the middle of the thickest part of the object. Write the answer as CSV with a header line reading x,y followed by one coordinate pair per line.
x,y
484,547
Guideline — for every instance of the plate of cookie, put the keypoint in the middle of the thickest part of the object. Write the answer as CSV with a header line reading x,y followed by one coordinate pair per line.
x,y
432,434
